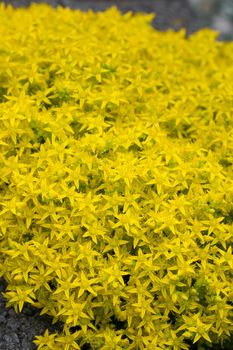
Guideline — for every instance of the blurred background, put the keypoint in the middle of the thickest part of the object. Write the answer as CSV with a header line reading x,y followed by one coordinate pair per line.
x,y
218,14
176,14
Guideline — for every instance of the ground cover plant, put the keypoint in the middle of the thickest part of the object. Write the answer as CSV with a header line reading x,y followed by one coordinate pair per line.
x,y
116,179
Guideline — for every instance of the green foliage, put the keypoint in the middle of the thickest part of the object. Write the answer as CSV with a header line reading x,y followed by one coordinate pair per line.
x,y
116,179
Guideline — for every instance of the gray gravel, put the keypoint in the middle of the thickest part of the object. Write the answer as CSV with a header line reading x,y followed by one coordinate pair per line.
x,y
18,330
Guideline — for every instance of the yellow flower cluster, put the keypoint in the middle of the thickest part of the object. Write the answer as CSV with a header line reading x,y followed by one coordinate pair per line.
x,y
116,180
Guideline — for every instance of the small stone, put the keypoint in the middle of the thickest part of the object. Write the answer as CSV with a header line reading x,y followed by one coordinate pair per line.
x,y
2,319
223,24
11,342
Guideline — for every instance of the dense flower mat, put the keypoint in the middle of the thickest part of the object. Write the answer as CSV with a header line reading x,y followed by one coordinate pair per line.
x,y
116,179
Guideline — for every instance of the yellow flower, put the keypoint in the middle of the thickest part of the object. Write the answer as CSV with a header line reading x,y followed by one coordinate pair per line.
x,y
116,178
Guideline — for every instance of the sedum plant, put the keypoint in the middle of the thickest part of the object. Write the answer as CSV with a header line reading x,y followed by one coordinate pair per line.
x,y
116,179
